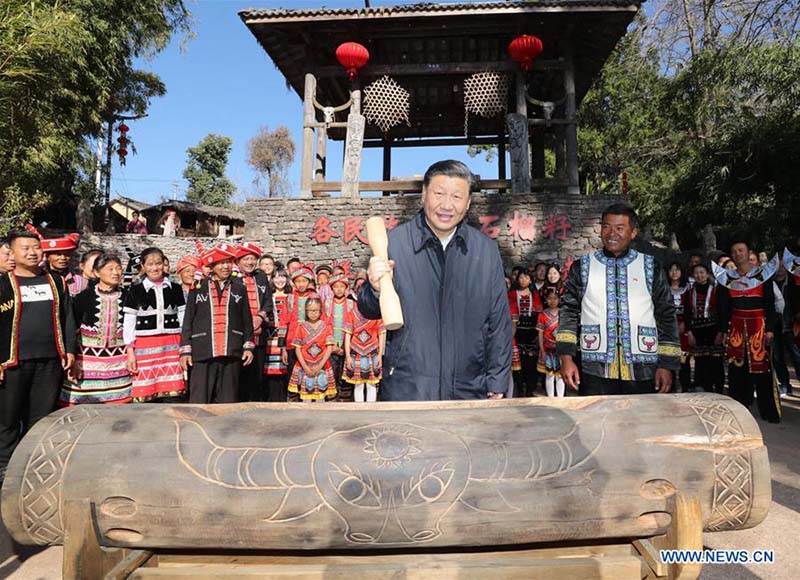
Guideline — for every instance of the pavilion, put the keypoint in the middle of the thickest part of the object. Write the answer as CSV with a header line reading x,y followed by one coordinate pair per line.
x,y
441,74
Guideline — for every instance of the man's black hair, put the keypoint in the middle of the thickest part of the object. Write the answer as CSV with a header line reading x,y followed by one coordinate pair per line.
x,y
622,209
292,260
13,236
451,168
740,241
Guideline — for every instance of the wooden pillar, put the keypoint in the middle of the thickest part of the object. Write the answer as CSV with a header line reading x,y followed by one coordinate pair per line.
x,y
322,154
571,131
387,162
517,124
501,155
354,142
561,169
309,117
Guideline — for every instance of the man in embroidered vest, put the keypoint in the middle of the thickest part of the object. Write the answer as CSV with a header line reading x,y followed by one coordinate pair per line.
x,y
746,302
618,316
217,333
37,342
252,384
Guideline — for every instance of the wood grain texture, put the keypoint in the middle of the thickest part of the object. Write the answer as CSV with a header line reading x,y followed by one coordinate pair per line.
x,y
405,475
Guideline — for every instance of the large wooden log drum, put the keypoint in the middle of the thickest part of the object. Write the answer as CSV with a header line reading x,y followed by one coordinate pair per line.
x,y
387,475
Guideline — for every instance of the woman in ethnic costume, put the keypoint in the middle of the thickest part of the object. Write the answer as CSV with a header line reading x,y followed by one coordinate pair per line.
x,y
526,304
101,372
312,377
154,311
703,332
678,286
275,365
364,343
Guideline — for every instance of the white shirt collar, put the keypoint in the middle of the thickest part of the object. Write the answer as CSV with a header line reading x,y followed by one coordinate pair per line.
x,y
149,284
444,241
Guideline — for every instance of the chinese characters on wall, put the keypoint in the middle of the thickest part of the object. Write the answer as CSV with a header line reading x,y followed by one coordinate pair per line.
x,y
522,227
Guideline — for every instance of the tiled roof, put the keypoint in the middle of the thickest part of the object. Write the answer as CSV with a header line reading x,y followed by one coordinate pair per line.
x,y
428,7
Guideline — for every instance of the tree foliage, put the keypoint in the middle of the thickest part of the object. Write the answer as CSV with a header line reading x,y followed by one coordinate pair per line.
x,y
271,153
699,104
205,171
64,68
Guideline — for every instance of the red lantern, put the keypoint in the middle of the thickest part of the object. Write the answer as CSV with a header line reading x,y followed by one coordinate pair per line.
x,y
124,128
525,49
352,56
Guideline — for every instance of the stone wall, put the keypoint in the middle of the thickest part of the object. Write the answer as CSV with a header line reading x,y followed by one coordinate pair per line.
x,y
527,227
125,245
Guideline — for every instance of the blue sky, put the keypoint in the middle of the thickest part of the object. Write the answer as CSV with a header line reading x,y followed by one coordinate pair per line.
x,y
223,82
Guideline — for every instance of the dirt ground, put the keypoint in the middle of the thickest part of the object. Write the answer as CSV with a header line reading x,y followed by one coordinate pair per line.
x,y
778,532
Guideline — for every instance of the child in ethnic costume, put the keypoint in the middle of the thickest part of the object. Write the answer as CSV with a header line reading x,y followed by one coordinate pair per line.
x,y
275,365
252,386
337,310
302,278
217,336
312,377
364,343
679,289
101,372
525,304
547,326
702,329
154,311
323,285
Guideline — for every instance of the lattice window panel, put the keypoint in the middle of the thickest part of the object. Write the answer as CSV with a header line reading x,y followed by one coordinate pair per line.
x,y
386,103
485,94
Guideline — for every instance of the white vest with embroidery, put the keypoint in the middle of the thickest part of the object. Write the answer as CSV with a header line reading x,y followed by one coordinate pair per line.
x,y
617,307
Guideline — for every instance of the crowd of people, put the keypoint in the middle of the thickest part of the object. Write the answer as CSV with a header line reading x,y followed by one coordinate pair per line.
x,y
234,324
704,315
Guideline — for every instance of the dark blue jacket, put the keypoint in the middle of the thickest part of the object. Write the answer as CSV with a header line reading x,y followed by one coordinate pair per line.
x,y
456,342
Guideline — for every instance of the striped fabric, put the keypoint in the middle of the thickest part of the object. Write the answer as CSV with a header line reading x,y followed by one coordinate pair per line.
x,y
103,378
159,368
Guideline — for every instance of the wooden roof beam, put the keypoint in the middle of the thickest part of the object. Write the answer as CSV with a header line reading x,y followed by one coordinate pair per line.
x,y
442,68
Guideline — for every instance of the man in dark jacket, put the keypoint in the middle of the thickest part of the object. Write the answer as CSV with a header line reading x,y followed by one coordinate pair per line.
x,y
217,333
456,342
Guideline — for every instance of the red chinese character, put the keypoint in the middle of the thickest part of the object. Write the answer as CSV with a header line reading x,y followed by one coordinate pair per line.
x,y
556,227
322,231
354,228
391,222
522,227
487,227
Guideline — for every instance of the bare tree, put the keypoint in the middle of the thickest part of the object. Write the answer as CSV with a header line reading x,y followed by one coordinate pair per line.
x,y
271,153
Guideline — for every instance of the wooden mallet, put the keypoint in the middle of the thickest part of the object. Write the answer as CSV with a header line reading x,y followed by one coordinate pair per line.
x,y
391,312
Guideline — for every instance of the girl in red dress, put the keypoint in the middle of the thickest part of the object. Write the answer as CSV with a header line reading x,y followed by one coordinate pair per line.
x,y
547,326
364,341
526,304
312,377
